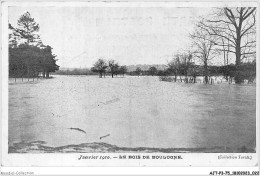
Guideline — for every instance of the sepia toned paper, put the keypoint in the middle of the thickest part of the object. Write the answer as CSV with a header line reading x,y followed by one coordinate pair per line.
x,y
130,84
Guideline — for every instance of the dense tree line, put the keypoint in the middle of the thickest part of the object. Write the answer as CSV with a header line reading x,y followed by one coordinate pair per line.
x,y
27,55
230,32
227,32
75,71
247,71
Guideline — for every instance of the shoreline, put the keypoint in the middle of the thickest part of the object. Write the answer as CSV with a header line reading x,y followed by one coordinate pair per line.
x,y
101,147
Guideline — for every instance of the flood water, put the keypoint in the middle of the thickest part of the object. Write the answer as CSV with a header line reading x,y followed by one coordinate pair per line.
x,y
132,112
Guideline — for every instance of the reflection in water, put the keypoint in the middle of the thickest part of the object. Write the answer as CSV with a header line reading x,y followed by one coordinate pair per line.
x,y
135,111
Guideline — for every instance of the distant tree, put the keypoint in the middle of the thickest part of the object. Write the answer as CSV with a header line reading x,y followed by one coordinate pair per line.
x,y
174,66
153,71
184,62
194,71
100,67
75,71
28,29
161,73
114,67
203,48
123,70
138,71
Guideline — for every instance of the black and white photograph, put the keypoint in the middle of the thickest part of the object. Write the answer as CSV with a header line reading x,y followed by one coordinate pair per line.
x,y
115,78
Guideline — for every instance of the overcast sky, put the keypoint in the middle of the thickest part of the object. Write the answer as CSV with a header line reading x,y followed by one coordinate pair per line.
x,y
130,35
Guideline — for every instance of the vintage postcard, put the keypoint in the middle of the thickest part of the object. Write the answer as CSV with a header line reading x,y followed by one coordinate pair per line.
x,y
130,83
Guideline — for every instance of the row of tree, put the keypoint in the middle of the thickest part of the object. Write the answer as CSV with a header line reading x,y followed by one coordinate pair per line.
x,y
74,71
226,33
230,32
183,65
103,66
153,71
28,57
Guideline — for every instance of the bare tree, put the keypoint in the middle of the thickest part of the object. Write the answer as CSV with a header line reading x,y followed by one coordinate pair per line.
x,y
234,30
185,60
203,49
180,64
225,50
174,66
